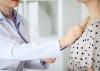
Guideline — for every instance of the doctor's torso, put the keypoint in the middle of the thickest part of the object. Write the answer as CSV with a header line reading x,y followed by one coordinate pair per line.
x,y
8,29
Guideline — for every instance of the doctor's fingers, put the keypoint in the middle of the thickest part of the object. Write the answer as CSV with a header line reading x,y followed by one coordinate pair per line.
x,y
77,35
74,33
77,32
76,29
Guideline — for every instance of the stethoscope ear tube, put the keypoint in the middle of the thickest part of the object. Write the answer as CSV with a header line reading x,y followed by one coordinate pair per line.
x,y
18,25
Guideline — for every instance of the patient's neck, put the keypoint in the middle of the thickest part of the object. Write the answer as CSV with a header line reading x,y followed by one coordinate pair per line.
x,y
94,9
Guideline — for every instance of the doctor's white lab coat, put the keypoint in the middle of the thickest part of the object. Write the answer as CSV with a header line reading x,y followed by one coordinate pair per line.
x,y
14,49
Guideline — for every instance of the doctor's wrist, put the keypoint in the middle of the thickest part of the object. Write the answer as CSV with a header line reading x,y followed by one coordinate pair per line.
x,y
42,62
64,43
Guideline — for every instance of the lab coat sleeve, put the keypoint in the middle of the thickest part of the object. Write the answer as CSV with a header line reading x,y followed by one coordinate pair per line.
x,y
36,64
10,49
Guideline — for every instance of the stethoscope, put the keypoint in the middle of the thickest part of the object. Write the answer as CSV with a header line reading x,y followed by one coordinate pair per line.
x,y
15,23
64,48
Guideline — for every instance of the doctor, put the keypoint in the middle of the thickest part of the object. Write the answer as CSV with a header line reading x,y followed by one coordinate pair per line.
x,y
16,50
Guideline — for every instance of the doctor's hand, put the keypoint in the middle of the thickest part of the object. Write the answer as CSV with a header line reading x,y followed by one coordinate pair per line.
x,y
49,60
74,33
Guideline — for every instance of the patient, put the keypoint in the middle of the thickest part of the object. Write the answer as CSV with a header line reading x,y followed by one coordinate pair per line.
x,y
85,51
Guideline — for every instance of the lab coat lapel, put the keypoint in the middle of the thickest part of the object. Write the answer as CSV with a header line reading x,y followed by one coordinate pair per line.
x,y
7,31
11,33
7,28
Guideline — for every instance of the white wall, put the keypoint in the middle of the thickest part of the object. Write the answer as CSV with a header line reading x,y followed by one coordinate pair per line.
x,y
45,22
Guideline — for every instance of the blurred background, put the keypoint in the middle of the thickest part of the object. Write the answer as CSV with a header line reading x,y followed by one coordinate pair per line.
x,y
51,19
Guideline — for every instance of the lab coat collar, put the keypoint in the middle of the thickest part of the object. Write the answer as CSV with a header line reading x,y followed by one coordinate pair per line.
x,y
1,16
